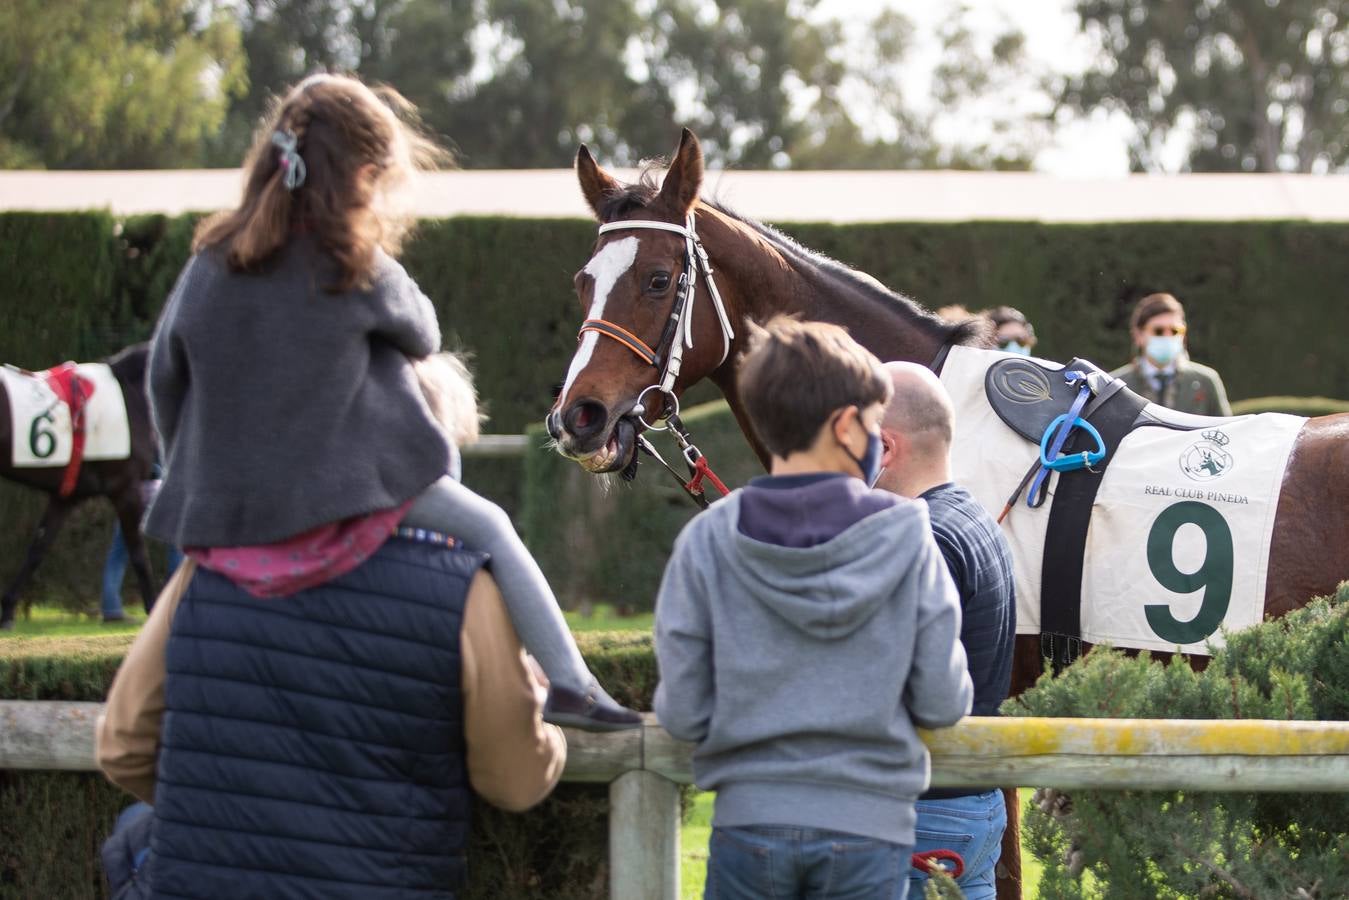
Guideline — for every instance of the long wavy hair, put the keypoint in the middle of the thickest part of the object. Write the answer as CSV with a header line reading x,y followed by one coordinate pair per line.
x,y
360,147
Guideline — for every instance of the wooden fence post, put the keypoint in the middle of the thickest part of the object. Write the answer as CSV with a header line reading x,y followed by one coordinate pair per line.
x,y
643,837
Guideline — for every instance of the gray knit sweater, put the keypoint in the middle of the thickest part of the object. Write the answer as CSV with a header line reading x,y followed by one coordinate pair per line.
x,y
800,672
282,407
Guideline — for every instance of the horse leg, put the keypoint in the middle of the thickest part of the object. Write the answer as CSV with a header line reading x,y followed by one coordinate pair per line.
x,y
50,525
1027,665
1007,873
129,509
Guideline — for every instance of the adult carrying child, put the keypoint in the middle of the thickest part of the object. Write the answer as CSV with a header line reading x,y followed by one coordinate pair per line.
x,y
281,382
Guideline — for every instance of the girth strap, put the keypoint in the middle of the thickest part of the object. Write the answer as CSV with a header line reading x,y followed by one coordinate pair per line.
x,y
1069,517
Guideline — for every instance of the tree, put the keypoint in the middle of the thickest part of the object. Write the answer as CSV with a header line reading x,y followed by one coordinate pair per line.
x,y
979,111
107,84
1240,85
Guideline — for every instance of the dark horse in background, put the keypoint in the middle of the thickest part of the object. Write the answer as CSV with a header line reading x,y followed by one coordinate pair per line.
x,y
119,480
761,273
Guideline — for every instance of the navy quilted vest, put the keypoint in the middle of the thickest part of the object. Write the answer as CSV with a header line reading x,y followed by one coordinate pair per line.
x,y
313,746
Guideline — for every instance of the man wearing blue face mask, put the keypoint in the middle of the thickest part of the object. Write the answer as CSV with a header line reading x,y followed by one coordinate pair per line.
x,y
1013,332
1162,371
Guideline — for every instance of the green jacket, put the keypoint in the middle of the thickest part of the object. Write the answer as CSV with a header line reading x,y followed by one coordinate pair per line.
x,y
1195,389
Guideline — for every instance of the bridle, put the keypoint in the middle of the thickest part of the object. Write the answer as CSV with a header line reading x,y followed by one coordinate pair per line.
x,y
677,336
667,357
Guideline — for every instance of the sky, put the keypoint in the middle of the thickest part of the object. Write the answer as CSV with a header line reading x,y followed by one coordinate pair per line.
x,y
1090,149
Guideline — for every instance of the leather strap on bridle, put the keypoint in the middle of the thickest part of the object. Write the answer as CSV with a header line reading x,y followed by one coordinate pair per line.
x,y
622,335
677,335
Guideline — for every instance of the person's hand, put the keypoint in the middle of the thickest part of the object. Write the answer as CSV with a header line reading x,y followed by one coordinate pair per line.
x,y
540,680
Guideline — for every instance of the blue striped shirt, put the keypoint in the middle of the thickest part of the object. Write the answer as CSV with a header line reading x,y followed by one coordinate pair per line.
x,y
980,562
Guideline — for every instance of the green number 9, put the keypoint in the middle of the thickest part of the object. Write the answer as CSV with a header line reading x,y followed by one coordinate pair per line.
x,y
1214,575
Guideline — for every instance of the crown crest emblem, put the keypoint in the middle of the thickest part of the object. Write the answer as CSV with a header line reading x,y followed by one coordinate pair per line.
x,y
1217,437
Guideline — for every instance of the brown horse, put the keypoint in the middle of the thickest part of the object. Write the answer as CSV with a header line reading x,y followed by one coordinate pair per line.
x,y
119,480
630,289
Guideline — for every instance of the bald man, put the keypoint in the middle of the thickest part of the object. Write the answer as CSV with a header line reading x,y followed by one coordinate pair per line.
x,y
916,437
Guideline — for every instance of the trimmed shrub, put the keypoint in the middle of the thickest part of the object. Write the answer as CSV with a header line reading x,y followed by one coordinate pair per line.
x,y
55,823
1148,844
1293,406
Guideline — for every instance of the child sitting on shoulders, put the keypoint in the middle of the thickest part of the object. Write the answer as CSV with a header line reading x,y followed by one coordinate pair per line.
x,y
281,382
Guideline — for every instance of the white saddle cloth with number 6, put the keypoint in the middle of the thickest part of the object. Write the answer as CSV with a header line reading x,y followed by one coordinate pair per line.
x,y
1178,544
40,421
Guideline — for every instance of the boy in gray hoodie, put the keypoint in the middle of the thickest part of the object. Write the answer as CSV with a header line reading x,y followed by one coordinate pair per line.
x,y
805,625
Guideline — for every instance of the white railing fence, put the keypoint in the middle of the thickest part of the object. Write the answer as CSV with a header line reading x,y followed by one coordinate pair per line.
x,y
644,767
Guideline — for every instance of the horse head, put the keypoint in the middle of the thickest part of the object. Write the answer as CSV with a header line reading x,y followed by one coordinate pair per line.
x,y
654,321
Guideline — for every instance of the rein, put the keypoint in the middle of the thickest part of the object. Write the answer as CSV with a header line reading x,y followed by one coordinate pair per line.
x,y
668,355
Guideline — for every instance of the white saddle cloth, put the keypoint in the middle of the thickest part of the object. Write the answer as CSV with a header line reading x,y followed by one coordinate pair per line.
x,y
1178,544
41,423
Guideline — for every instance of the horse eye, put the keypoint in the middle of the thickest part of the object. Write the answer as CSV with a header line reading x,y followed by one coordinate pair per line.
x,y
658,283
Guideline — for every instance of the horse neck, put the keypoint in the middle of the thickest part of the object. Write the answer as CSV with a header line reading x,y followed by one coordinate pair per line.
x,y
761,275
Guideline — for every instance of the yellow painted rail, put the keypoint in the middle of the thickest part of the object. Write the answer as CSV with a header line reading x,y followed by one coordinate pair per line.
x,y
1244,755
644,767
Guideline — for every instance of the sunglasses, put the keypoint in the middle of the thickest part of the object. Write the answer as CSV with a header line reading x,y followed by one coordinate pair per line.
x,y
1165,331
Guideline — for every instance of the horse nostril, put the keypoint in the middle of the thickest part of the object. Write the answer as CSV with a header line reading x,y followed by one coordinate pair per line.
x,y
553,423
585,418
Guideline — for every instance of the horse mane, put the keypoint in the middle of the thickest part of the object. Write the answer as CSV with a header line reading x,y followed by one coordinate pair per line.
x,y
630,197
970,332
129,363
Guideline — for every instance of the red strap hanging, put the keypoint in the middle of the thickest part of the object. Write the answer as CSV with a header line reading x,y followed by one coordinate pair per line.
x,y
925,861
703,470
74,391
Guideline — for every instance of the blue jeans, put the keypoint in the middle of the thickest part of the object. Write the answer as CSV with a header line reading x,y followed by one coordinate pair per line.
x,y
781,862
126,852
114,570
971,826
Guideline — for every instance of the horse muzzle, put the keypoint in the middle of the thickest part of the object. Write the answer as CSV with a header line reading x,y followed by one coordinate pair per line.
x,y
583,434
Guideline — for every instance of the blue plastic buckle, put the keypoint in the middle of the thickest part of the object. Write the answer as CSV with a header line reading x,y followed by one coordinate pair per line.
x,y
1071,462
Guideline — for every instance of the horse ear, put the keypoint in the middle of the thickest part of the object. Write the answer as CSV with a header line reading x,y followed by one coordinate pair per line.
x,y
596,184
684,179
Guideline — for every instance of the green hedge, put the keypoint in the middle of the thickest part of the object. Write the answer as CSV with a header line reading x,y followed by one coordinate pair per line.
x,y
1141,844
1294,406
54,823
1265,305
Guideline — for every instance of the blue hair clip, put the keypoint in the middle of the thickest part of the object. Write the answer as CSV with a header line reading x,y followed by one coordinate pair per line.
x,y
292,164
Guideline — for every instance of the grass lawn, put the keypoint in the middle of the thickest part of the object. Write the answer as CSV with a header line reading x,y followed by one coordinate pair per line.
x,y
604,618
48,621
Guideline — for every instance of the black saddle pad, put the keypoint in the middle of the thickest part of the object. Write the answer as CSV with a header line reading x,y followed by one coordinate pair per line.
x,y
1028,396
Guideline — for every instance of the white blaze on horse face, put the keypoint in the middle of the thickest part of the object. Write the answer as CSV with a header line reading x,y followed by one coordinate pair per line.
x,y
606,267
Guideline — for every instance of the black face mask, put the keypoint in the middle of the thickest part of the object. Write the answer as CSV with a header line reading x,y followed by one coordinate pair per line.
x,y
870,464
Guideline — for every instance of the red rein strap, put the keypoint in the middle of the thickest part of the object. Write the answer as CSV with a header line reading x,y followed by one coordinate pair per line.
x,y
702,470
72,390
930,859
